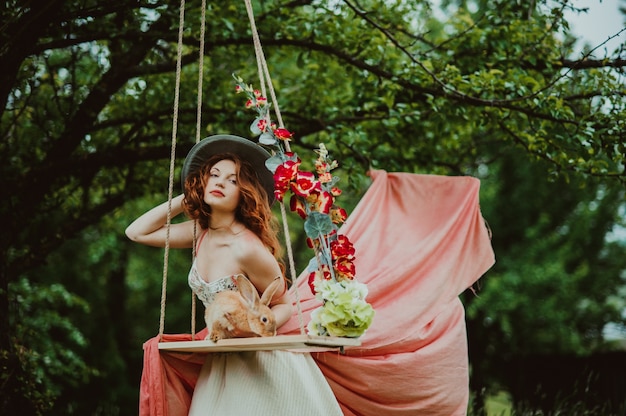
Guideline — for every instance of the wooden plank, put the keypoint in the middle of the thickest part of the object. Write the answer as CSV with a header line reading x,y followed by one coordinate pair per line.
x,y
279,342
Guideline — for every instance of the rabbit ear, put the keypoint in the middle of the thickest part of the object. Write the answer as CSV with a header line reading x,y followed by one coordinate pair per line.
x,y
268,294
247,290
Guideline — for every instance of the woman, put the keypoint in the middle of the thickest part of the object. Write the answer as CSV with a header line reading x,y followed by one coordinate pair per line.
x,y
227,197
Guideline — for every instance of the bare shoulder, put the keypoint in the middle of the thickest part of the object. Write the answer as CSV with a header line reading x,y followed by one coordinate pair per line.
x,y
256,260
251,248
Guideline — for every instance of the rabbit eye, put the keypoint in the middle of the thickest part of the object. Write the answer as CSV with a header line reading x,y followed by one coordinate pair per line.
x,y
264,319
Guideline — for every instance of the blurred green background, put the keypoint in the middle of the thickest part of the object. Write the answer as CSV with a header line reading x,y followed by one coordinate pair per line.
x,y
503,91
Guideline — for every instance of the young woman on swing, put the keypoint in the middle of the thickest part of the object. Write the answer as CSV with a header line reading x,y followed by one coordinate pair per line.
x,y
228,192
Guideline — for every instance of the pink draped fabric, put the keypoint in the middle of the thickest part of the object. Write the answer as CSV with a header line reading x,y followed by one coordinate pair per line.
x,y
420,241
168,378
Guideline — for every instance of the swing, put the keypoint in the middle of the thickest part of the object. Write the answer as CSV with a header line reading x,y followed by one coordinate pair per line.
x,y
421,242
302,342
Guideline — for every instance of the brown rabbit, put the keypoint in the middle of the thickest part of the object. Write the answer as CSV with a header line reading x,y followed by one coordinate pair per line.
x,y
242,313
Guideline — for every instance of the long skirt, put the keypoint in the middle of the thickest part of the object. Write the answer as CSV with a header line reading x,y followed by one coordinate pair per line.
x,y
271,383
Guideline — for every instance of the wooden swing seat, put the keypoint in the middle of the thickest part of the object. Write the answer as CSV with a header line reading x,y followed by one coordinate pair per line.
x,y
305,342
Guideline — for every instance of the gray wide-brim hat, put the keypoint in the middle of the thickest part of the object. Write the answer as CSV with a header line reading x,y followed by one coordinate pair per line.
x,y
226,143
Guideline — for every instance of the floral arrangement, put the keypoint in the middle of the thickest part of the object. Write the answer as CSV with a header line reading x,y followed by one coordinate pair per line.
x,y
344,311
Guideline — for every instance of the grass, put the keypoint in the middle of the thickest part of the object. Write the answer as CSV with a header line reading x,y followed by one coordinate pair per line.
x,y
499,405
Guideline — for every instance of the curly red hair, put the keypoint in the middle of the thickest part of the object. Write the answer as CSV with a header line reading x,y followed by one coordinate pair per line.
x,y
253,209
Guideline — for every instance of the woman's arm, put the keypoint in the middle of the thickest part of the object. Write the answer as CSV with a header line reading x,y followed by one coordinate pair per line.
x,y
150,228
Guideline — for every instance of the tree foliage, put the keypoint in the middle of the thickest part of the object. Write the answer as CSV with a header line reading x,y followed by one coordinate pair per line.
x,y
87,92
559,275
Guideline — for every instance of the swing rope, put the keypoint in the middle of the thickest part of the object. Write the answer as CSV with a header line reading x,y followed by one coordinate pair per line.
x,y
198,130
168,221
264,76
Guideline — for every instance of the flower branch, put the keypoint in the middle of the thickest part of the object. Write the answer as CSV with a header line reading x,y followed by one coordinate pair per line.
x,y
312,195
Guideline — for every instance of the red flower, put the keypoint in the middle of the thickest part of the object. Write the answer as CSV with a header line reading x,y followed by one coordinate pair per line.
x,y
321,201
325,177
249,104
262,124
342,247
320,166
338,215
335,191
283,134
319,275
345,269
257,93
283,176
238,89
261,101
304,184
311,281
296,205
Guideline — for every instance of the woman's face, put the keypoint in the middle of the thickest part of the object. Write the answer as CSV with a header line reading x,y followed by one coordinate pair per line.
x,y
222,190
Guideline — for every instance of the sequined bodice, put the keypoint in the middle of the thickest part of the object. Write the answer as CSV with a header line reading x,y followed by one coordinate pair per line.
x,y
206,291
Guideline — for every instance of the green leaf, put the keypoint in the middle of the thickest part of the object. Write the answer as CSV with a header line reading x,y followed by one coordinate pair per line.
x,y
273,162
317,224
254,127
267,139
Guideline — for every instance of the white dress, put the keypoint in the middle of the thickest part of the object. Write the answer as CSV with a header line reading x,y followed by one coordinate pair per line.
x,y
263,383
